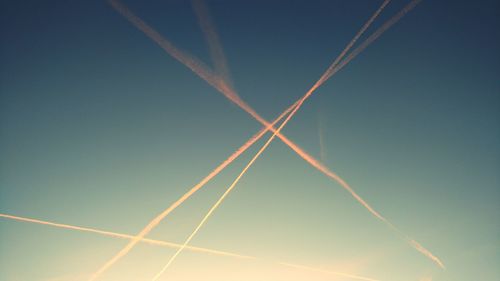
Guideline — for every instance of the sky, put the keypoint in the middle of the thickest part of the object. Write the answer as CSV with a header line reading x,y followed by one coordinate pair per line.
x,y
101,128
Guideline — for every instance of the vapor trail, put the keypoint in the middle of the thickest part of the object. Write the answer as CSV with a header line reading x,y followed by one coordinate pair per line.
x,y
220,85
168,244
195,65
201,70
263,148
321,139
123,236
330,71
326,271
211,36
153,223
219,201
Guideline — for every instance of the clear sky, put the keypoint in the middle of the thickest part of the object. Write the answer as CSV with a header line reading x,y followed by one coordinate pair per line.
x,y
99,127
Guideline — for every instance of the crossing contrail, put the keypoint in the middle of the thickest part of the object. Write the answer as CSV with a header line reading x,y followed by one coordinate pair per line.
x,y
321,138
262,149
171,245
330,71
200,69
308,268
153,223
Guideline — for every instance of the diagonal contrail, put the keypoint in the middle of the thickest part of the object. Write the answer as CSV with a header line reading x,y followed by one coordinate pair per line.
x,y
330,71
223,88
211,36
198,68
152,224
174,245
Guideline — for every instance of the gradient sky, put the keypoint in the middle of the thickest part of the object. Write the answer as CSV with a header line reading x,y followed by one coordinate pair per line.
x,y
100,127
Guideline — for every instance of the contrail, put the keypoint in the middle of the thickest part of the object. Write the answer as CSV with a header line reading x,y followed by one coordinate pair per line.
x,y
211,36
219,84
170,245
323,78
226,193
326,271
153,223
201,70
330,71
195,65
321,138
123,236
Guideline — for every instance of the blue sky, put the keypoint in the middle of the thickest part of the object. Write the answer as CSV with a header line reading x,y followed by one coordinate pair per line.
x,y
100,127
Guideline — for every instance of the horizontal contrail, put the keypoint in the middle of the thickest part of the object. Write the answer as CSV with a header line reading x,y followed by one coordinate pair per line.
x,y
170,245
123,236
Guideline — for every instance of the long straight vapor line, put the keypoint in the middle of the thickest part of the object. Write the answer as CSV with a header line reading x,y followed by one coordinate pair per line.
x,y
172,245
199,68
323,78
335,67
122,236
328,74
153,223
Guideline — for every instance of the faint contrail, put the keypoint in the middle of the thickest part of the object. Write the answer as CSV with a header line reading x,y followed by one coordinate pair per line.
x,y
326,271
219,84
321,138
330,71
189,61
169,244
211,36
123,236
